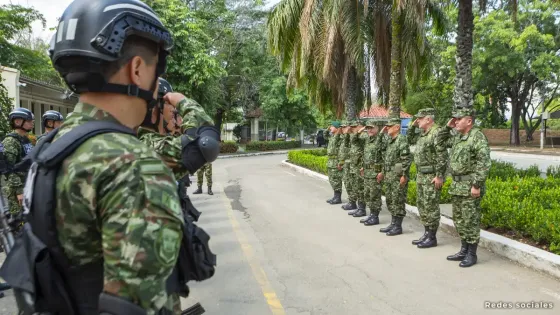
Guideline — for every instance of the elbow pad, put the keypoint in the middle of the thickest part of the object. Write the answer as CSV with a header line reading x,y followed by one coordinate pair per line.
x,y
199,146
209,142
113,305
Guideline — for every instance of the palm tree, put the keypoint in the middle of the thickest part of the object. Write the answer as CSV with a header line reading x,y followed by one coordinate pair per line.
x,y
463,96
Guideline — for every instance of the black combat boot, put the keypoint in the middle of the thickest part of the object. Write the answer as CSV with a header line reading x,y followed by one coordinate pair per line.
x,y
430,241
361,212
351,205
471,257
198,191
423,237
331,199
461,254
210,190
373,220
390,226
336,200
397,228
366,218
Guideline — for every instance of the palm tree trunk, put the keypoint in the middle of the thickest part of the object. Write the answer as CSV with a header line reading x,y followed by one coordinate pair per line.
x,y
351,94
395,88
463,80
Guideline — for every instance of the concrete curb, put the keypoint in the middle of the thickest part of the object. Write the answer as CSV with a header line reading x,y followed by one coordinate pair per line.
x,y
523,254
251,154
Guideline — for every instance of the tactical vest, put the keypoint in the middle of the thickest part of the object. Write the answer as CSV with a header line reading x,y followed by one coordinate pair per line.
x,y
25,148
37,263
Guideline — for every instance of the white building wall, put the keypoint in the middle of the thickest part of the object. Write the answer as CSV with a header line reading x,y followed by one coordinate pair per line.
x,y
10,79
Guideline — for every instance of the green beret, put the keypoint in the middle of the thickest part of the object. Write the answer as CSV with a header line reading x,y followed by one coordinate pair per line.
x,y
426,112
335,124
463,111
393,121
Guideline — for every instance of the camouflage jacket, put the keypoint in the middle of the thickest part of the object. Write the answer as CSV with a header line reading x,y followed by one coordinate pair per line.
x,y
356,153
14,153
373,156
193,115
397,157
469,160
118,202
344,149
430,157
332,151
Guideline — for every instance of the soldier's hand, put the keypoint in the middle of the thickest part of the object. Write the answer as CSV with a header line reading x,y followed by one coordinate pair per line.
x,y
415,123
451,123
362,171
379,177
384,130
438,182
403,181
20,199
475,192
173,98
339,167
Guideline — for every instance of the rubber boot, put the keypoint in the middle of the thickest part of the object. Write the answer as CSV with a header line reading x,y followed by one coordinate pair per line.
x,y
461,254
423,237
397,228
471,257
366,218
361,212
198,191
351,205
336,199
210,190
430,241
373,220
389,227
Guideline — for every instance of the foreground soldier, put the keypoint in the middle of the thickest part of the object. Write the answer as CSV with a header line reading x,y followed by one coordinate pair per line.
x,y
431,160
396,165
51,120
335,174
370,169
470,163
357,161
344,163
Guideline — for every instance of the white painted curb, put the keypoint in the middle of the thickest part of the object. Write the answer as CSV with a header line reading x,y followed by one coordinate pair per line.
x,y
252,154
526,255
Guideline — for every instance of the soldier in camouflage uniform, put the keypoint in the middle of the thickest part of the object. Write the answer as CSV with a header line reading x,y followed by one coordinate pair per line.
x,y
357,157
344,164
116,200
370,169
205,170
335,174
470,163
16,147
51,120
396,165
431,160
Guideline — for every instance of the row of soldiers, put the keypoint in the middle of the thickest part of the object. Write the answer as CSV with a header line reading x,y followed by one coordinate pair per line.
x,y
370,155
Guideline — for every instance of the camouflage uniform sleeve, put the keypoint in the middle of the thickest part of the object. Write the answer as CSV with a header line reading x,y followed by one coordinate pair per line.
x,y
193,115
141,231
482,158
12,150
445,138
412,135
405,156
441,154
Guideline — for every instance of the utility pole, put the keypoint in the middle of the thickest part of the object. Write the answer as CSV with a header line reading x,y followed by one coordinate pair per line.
x,y
544,117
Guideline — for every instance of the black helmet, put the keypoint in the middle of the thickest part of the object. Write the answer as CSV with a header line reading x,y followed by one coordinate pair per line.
x,y
164,87
22,113
91,34
52,115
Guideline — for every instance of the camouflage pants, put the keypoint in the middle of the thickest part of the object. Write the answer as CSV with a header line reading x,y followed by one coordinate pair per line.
x,y
11,197
372,195
466,216
205,170
357,182
335,178
395,196
173,305
427,200
347,179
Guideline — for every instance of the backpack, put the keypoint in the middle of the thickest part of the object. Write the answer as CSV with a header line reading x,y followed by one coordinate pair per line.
x,y
37,264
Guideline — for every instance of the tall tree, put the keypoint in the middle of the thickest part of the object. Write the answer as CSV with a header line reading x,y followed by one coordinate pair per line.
x,y
463,95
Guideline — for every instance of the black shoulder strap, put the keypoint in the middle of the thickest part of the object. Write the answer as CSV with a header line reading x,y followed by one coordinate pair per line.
x,y
58,150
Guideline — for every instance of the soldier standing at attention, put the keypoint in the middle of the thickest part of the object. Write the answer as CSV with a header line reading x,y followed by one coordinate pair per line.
x,y
431,160
470,163
335,175
344,164
205,170
370,169
51,120
357,158
396,167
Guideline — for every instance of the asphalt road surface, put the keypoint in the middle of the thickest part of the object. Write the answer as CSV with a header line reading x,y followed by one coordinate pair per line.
x,y
522,160
282,250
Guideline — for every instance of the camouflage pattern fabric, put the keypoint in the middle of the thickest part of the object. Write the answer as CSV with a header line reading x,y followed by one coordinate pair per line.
x,y
343,155
356,162
372,167
193,115
335,176
204,170
466,217
117,201
397,162
14,153
167,147
431,161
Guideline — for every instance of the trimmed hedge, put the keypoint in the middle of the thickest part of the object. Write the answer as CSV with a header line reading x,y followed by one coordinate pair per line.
x,y
228,147
516,200
272,145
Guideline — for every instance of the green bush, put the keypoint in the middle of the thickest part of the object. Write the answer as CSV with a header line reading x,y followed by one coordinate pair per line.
x,y
272,145
228,147
553,171
506,170
310,161
316,152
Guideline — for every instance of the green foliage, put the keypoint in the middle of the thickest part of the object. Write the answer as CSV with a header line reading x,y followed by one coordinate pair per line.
x,y
228,147
272,145
5,108
16,18
506,171
553,171
311,161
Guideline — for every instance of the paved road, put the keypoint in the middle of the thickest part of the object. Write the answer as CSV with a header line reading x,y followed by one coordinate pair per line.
x,y
282,250
523,160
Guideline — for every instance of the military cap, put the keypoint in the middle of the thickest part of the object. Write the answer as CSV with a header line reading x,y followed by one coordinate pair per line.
x,y
336,124
393,121
361,122
463,111
371,123
426,112
353,123
343,123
